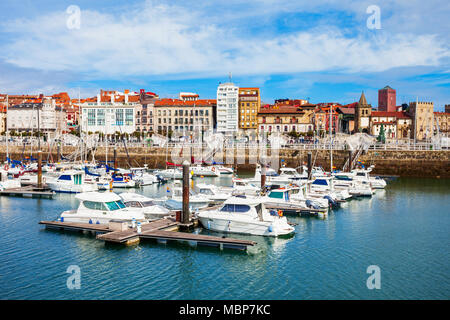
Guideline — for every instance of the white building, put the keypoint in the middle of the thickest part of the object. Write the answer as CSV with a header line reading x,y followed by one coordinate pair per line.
x,y
24,117
227,108
111,112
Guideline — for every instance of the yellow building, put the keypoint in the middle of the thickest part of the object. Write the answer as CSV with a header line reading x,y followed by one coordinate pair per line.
x,y
423,119
285,119
249,105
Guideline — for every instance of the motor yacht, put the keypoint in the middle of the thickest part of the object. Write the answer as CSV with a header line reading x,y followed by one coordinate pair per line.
x,y
212,192
71,182
100,208
246,216
149,206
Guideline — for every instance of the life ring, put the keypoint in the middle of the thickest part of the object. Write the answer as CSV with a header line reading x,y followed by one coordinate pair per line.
x,y
213,169
6,167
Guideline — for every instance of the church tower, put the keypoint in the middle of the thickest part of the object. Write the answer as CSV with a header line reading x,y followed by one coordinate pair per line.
x,y
363,111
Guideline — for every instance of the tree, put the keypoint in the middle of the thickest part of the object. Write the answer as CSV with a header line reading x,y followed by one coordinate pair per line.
x,y
381,136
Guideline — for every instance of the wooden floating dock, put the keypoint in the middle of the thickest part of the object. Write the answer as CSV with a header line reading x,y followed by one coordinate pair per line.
x,y
28,192
162,230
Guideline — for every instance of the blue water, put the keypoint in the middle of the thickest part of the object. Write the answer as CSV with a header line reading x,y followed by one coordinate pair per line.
x,y
404,230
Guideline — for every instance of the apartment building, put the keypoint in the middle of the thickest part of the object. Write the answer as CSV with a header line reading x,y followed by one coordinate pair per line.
x,y
227,108
24,117
183,116
109,113
249,105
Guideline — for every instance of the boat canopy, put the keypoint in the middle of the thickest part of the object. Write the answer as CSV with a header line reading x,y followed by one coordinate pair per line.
x,y
98,196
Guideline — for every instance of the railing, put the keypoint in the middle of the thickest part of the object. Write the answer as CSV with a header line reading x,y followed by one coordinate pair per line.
x,y
403,145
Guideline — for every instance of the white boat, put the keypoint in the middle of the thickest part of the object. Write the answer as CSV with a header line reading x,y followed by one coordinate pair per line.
x,y
96,207
363,175
224,170
290,173
211,192
209,171
245,216
295,196
241,187
171,173
142,177
149,206
324,185
6,183
345,181
71,182
195,201
30,179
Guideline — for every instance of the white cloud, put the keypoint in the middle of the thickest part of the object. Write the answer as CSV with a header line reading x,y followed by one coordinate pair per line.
x,y
171,40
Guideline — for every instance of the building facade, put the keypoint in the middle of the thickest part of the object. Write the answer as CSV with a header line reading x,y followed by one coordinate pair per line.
x,y
396,125
387,100
227,108
249,105
110,113
3,113
442,122
423,117
363,111
24,117
181,117
284,119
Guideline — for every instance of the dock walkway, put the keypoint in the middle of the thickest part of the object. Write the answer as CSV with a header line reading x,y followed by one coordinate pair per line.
x,y
161,230
28,192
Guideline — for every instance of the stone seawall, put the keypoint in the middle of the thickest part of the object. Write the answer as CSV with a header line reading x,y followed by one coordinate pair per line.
x,y
403,163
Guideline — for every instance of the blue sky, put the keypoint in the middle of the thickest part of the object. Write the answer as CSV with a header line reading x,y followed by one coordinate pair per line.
x,y
322,50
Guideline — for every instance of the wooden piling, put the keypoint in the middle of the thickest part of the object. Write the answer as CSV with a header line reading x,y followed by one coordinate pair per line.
x,y
309,165
185,212
39,169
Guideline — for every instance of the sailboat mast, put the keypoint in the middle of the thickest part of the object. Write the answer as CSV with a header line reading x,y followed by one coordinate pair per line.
x,y
7,129
331,145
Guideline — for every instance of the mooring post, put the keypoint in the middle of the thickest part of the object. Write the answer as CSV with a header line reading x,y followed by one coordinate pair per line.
x,y
58,152
115,158
185,213
40,169
350,158
309,165
263,174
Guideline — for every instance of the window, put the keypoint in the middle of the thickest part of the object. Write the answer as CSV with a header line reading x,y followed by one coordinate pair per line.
x,y
235,208
129,117
100,117
133,204
91,117
119,117
94,205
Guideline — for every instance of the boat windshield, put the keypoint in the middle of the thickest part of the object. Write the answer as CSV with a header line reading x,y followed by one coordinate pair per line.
x,y
147,203
206,191
133,204
115,205
235,208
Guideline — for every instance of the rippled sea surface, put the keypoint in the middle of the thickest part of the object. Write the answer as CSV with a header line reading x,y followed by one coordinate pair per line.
x,y
403,229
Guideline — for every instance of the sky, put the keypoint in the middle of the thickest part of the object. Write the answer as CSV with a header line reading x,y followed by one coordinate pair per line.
x,y
323,51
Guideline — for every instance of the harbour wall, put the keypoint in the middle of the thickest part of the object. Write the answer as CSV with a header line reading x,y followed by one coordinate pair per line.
x,y
419,163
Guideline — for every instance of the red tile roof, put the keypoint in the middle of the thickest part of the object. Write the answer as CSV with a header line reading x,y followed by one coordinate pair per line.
x,y
178,102
396,114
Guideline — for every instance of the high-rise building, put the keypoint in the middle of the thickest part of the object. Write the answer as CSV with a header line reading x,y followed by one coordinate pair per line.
x,y
387,99
227,108
249,105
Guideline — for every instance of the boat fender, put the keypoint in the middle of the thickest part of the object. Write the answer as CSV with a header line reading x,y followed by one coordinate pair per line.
x,y
273,212
138,227
62,219
270,229
98,222
209,224
90,221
